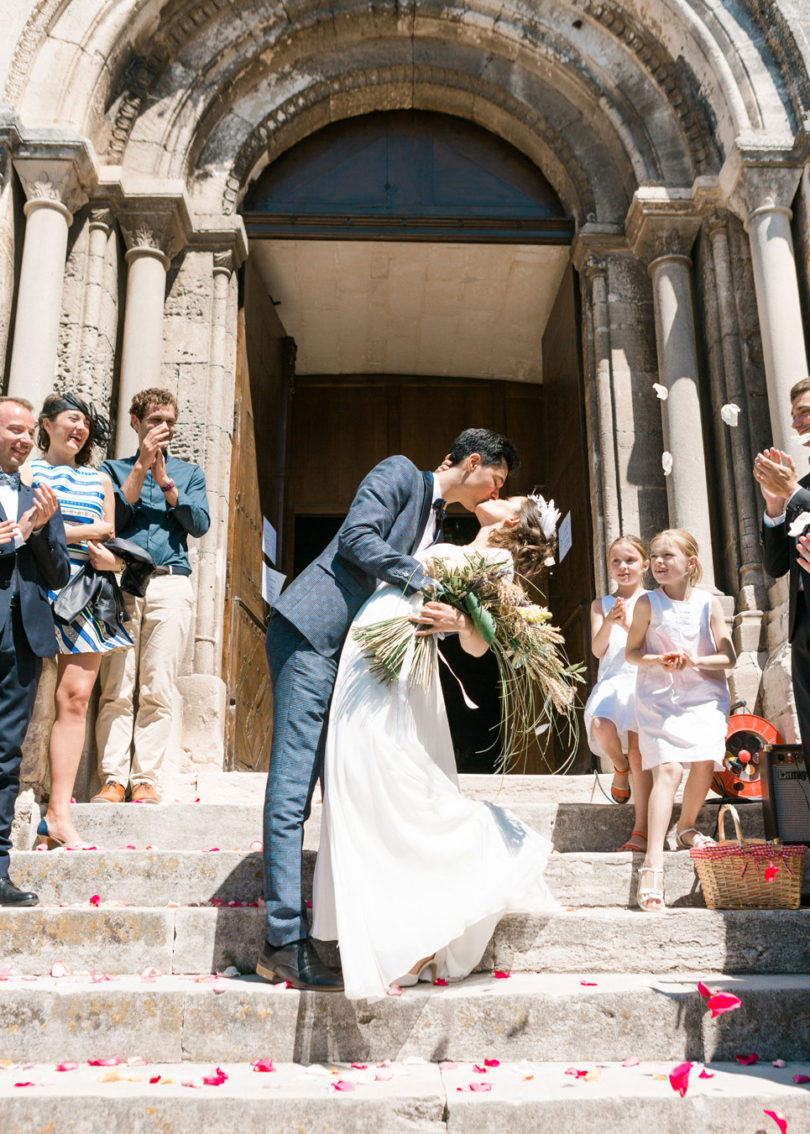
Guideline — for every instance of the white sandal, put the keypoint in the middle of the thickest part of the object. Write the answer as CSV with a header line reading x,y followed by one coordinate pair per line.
x,y
699,841
651,898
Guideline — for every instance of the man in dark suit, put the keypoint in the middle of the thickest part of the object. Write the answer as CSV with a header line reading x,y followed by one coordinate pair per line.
x,y
786,498
33,557
395,513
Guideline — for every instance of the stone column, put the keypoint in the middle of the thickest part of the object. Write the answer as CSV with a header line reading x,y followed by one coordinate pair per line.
x,y
761,195
662,233
101,221
54,188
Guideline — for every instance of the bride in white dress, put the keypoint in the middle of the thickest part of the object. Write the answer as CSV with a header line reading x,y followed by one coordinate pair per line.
x,y
412,877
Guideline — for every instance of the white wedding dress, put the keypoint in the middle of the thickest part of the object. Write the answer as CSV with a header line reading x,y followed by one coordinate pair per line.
x,y
407,866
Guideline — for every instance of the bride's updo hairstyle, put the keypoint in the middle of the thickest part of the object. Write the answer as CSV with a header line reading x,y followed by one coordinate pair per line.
x,y
531,549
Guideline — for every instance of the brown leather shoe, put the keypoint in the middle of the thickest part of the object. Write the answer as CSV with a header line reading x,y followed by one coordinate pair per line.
x,y
143,793
110,793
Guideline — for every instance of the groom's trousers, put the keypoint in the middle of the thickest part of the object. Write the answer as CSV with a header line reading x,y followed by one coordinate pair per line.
x,y
303,681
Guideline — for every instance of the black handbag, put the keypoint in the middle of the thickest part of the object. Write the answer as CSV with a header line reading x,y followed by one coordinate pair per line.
x,y
100,590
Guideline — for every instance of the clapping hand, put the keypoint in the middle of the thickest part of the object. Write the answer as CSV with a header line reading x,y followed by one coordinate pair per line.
x,y
8,530
617,612
776,473
152,449
36,517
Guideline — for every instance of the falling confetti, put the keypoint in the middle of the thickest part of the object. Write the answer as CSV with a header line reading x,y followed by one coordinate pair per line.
x,y
661,391
666,463
730,413
799,525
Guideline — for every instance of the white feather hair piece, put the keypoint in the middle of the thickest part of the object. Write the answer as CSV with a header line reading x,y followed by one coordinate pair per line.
x,y
549,514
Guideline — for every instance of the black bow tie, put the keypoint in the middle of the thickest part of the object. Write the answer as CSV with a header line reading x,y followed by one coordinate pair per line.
x,y
437,508
12,479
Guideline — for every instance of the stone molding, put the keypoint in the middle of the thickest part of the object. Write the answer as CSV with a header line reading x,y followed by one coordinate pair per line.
x,y
54,166
662,224
759,176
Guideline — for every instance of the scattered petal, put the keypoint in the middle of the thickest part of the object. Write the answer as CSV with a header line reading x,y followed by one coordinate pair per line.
x,y
704,1074
209,850
778,1118
215,1079
360,1067
136,1061
703,990
447,1065
26,1084
575,1072
666,463
799,525
478,1069
770,872
631,1061
155,1079
191,1083
440,982
720,1002
480,1086
747,1060
342,1085
257,845
108,1061
68,1065
779,1063
492,1062
730,413
59,970
801,1078
588,983
661,392
94,901
679,1078
383,1074
394,990
148,976
499,974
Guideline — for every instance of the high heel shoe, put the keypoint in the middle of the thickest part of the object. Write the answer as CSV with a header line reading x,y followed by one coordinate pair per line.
x,y
410,979
53,843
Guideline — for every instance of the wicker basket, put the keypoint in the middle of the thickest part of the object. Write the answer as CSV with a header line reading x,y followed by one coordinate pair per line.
x,y
736,874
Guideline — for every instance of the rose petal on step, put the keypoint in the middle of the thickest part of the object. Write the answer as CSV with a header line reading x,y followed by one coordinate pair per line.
x,y
155,1079
257,845
107,1061
631,1061
209,850
394,990
68,1065
666,463
679,1078
747,1060
575,1071
492,1062
588,983
778,1118
448,1065
263,1065
770,872
799,525
801,1078
137,1061
26,1084
216,1078
342,1085
779,1063
480,1086
703,990
191,1083
440,982
720,1002
704,1074
730,413
499,974
95,899
148,976
478,1069
59,970
661,392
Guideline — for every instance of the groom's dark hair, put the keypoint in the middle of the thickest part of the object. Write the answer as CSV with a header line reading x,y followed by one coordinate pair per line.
x,y
493,448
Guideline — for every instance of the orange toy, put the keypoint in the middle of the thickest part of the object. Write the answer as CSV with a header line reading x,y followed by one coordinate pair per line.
x,y
745,738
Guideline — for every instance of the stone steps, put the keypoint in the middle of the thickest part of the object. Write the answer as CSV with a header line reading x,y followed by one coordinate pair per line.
x,y
203,940
417,1099
540,1016
571,826
137,878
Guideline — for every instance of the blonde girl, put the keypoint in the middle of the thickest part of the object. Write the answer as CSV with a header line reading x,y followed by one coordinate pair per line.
x,y
679,640
610,715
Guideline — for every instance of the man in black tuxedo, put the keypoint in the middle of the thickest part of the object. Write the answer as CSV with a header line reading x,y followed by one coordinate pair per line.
x,y
33,557
786,498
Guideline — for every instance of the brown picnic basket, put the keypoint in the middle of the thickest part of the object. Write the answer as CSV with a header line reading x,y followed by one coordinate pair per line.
x,y
749,874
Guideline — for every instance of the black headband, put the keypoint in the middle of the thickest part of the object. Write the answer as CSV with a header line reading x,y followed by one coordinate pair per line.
x,y
100,431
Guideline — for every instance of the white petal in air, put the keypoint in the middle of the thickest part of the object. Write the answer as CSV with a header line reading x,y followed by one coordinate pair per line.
x,y
730,413
661,391
799,525
666,463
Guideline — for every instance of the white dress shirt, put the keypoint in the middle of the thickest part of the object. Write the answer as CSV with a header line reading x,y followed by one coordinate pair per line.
x,y
9,502
429,534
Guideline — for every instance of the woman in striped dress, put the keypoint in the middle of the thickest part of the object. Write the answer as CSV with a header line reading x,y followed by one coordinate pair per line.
x,y
68,430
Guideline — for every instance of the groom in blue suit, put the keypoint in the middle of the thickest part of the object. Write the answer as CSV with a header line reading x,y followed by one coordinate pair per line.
x,y
33,557
396,512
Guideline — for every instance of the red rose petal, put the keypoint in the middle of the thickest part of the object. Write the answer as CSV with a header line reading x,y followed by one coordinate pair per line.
x,y
770,872
216,1079
499,974
155,1079
263,1065
747,1060
589,983
778,1118
68,1065
801,1078
679,1078
704,1074
440,982
492,1062
94,901
25,1084
703,990
720,1002
108,1061
479,1070
575,1072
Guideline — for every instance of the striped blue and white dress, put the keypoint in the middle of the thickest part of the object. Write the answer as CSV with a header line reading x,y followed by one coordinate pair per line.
x,y
81,497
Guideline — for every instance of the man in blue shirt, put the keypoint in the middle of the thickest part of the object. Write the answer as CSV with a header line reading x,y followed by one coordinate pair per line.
x,y
160,502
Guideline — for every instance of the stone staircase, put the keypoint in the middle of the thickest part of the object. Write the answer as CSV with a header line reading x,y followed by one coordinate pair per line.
x,y
120,962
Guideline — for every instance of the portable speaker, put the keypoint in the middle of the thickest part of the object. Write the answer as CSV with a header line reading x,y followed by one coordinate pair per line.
x,y
786,793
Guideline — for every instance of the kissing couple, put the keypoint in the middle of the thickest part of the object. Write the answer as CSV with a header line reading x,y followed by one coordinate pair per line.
x,y
411,876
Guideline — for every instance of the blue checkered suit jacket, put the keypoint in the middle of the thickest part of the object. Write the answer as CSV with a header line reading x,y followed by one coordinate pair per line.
x,y
377,540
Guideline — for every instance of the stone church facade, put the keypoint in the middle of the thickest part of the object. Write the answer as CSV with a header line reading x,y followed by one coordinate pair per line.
x,y
674,245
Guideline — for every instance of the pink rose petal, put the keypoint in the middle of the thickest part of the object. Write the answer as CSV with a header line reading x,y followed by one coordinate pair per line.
x,y
679,1078
210,850
148,976
801,1078
747,1060
215,1079
263,1065
447,1065
68,1065
360,1067
342,1085
631,1061
478,1069
575,1072
778,1118
704,1074
257,845
720,1002
108,1061
94,901
137,1061
480,1086
779,1063
27,1084
499,974
394,990
191,1083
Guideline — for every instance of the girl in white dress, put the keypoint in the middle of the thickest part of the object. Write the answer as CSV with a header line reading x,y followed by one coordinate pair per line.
x,y
412,877
610,712
680,643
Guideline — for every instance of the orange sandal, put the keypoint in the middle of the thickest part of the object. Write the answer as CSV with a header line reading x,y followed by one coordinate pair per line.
x,y
633,847
619,794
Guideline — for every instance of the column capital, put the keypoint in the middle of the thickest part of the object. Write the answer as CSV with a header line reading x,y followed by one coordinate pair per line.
x,y
157,224
597,242
224,262
58,171
101,216
758,177
662,222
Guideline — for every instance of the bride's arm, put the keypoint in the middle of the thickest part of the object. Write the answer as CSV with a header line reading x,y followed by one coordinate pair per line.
x,y
440,618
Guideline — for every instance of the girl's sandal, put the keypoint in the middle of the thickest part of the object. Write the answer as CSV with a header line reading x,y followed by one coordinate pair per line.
x,y
619,794
651,898
699,840
632,847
